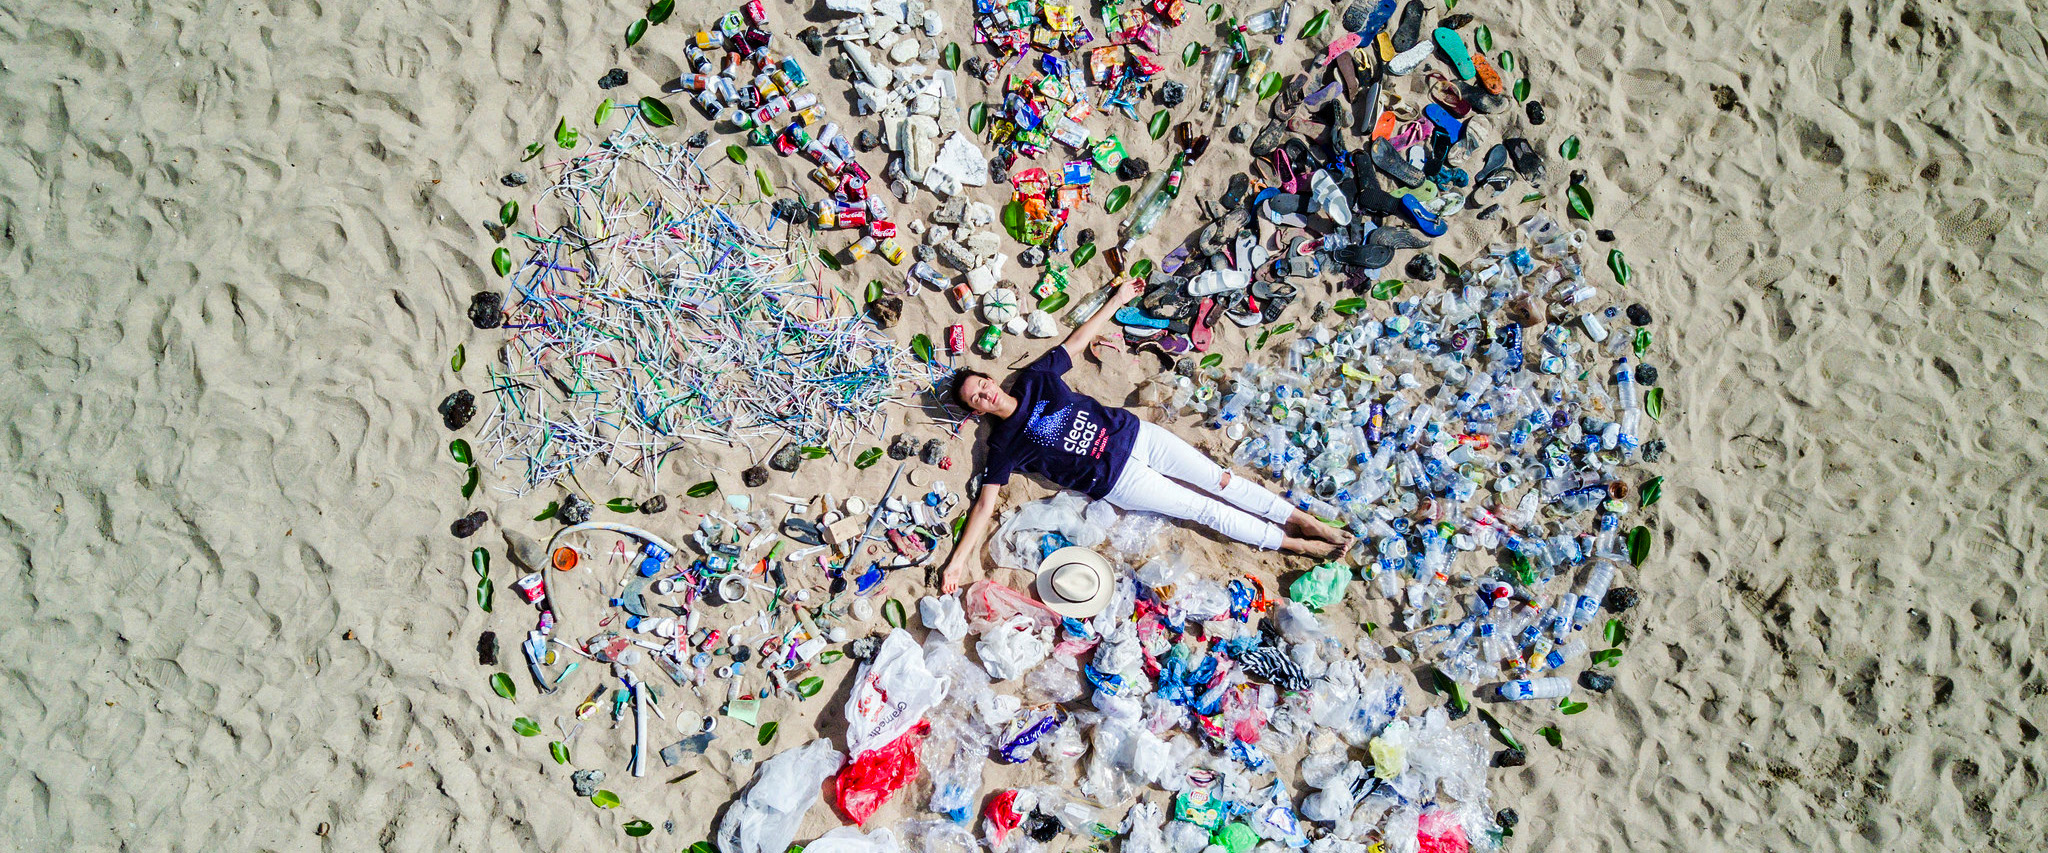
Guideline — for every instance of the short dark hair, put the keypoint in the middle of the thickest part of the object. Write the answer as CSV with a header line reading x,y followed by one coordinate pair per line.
x,y
958,384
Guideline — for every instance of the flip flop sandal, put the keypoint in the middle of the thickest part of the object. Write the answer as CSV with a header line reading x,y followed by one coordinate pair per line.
x,y
1426,192
1406,61
1368,196
1242,310
1133,339
1214,282
1205,320
1410,27
1347,71
1173,261
1299,267
1377,21
1397,167
1443,119
1454,49
1396,237
1273,305
1428,223
1294,95
1450,176
1339,47
1283,166
1340,124
1411,134
1170,344
1365,255
1233,196
1384,126
1483,101
1162,299
1437,152
1130,317
1450,94
1269,138
1489,77
1319,97
1447,205
1285,209
1384,43
1108,344
1495,171
1527,161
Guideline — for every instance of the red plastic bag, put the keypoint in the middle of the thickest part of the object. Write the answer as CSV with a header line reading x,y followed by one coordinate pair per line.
x,y
871,778
1439,832
1002,815
989,604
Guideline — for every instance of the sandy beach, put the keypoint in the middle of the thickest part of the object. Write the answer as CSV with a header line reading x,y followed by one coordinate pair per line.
x,y
237,241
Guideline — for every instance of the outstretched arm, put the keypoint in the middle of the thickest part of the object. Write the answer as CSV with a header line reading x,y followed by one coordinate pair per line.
x,y
1077,343
967,549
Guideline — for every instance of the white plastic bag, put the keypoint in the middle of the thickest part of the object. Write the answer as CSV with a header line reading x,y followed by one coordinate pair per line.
x,y
766,817
944,615
1013,648
847,839
890,696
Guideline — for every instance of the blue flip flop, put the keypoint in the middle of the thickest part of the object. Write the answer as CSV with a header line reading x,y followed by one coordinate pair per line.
x,y
1426,222
1441,117
1453,46
1129,315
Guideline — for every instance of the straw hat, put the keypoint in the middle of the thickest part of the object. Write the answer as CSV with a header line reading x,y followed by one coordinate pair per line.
x,y
1075,582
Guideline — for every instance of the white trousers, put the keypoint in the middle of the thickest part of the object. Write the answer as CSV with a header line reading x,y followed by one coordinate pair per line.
x,y
1159,457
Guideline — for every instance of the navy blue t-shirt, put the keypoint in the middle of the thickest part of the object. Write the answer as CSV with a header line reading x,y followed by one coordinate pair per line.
x,y
1065,437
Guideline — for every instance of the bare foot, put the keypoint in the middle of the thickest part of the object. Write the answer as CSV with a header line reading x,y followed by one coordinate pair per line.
x,y
1312,527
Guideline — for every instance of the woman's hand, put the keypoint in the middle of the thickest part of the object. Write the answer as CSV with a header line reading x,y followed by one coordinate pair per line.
x,y
1132,288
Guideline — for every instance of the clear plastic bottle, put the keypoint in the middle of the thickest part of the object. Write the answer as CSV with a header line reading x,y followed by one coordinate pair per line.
x,y
1540,688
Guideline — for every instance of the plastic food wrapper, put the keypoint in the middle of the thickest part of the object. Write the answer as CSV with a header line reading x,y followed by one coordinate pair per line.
x,y
1020,739
937,836
1137,533
1320,589
766,817
1012,649
1144,829
990,604
891,694
872,777
847,839
943,613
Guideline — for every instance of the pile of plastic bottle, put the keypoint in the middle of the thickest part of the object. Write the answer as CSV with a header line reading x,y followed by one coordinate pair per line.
x,y
1464,457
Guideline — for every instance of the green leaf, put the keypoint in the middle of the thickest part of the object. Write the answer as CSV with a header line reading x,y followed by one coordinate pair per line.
x,y
460,358
508,213
603,114
814,452
1642,341
867,458
1450,4
1569,150
1550,733
501,684
1142,268
1215,11
1651,491
1054,302
1607,656
604,800
1269,85
1315,25
1191,54
874,290
702,847
702,489
633,33
501,260
1268,334
638,828
1506,61
1619,265
959,524
1371,627
832,656
459,451
1451,267
525,727
553,507
560,751
1083,255
1212,360
736,154
977,117
1500,731
950,57
1638,545
1580,200
621,505
766,183
831,263
1350,305
921,347
1117,199
565,136
480,562
1161,120
1573,708
658,12
1522,89
1483,37
656,113
810,686
767,732
469,485
1532,197
1387,289
484,594
1653,404
533,150
1615,632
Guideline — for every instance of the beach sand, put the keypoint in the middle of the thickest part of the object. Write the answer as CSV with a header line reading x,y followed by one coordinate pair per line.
x,y
239,239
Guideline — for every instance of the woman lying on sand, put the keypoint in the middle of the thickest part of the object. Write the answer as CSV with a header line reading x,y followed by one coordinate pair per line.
x,y
1045,428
